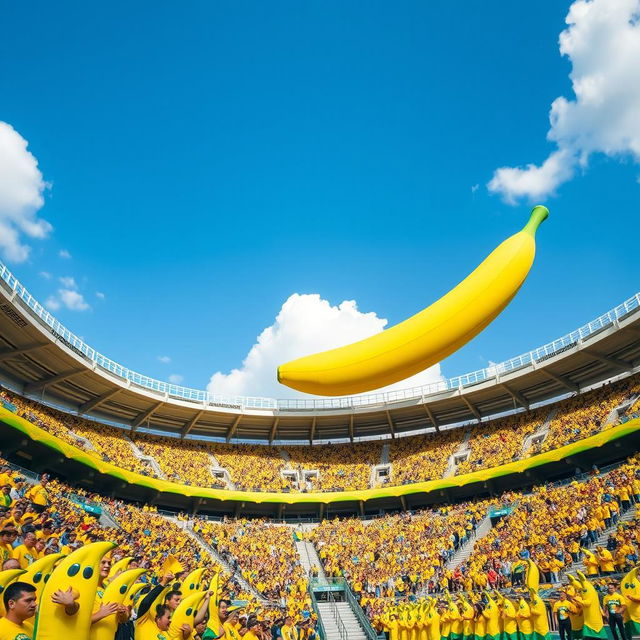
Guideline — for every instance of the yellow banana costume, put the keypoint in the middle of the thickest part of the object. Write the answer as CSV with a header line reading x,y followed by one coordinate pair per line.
x,y
6,578
214,624
539,616
116,591
81,571
523,614
508,613
427,337
491,615
192,582
38,572
587,598
591,562
184,614
455,618
576,617
532,575
433,622
630,589
148,619
467,613
119,566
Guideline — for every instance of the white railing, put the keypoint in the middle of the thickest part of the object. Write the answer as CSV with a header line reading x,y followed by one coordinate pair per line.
x,y
303,404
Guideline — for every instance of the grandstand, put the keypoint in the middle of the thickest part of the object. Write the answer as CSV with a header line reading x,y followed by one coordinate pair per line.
x,y
439,490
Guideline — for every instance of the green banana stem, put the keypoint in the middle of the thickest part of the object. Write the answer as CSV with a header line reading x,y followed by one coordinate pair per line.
x,y
538,215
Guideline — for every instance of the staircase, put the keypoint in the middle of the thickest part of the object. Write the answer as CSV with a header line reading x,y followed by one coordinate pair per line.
x,y
462,449
215,470
463,552
604,536
88,445
540,433
150,460
384,454
309,558
340,622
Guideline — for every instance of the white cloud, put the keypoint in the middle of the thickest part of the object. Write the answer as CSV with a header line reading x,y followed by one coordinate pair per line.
x,y
21,196
305,324
68,282
175,378
164,359
68,298
100,295
603,44
63,253
474,188
45,274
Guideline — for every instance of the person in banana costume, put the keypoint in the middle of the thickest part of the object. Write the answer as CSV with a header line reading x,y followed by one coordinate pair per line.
x,y
479,622
591,562
467,613
433,621
183,620
587,598
523,615
456,630
539,616
630,589
509,617
491,614
575,614
80,573
389,620
115,593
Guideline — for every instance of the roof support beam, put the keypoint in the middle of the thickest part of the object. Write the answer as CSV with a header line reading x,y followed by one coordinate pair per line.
x,y
98,400
234,427
391,426
312,431
274,429
472,407
517,396
145,415
351,427
12,352
42,384
610,360
563,380
192,423
432,417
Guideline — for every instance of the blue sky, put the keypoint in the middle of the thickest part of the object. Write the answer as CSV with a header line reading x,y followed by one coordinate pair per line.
x,y
206,161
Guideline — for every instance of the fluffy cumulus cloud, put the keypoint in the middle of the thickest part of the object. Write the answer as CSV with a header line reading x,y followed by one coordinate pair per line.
x,y
603,44
306,323
175,378
21,196
67,297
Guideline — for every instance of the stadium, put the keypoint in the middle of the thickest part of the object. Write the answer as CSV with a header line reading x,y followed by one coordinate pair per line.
x,y
203,177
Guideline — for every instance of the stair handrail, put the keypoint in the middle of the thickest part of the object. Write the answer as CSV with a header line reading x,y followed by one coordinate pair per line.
x,y
342,630
314,605
362,618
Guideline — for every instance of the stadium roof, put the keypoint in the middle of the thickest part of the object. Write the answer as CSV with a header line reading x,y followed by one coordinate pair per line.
x,y
40,358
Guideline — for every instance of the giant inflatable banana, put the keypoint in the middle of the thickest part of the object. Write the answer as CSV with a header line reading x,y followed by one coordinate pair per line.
x,y
630,588
427,337
509,616
81,571
6,578
184,614
116,591
491,614
214,624
119,566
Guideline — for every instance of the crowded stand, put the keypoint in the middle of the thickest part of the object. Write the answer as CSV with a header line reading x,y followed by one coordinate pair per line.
x,y
341,467
266,557
423,457
500,441
337,467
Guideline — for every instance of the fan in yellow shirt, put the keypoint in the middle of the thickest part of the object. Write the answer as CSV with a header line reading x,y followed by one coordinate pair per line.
x,y
20,602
